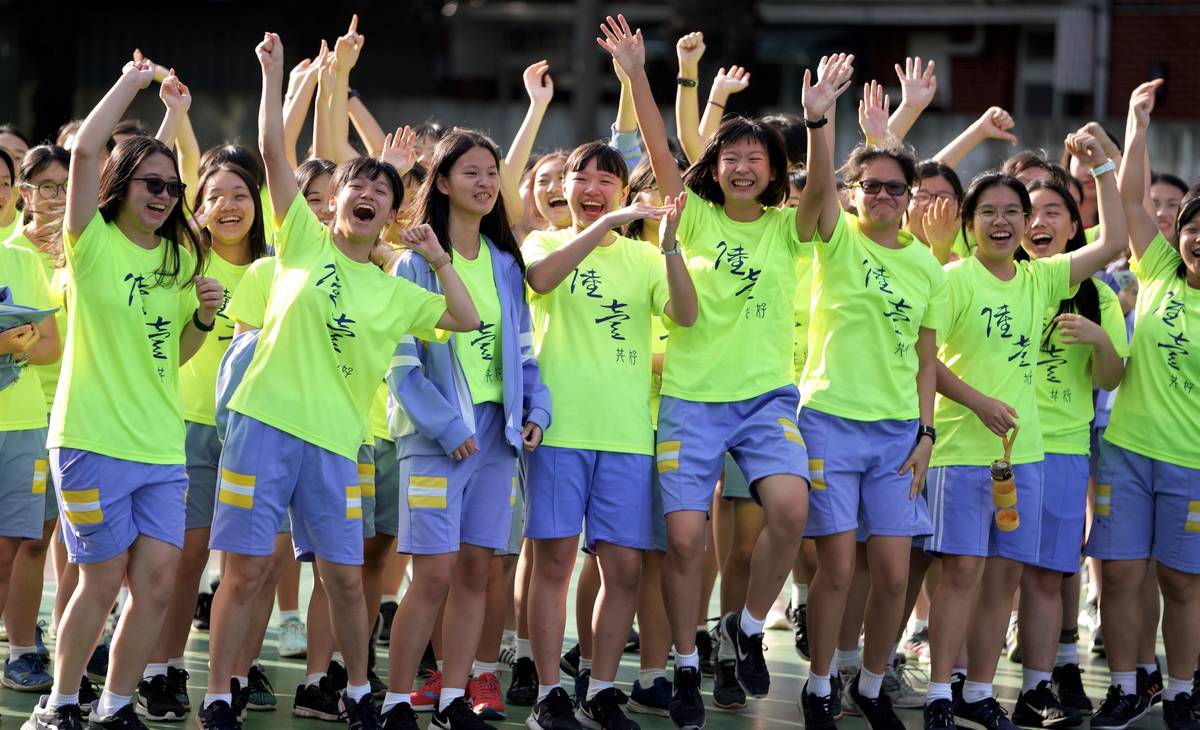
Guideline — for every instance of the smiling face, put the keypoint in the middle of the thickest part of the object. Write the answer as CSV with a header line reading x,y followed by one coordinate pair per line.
x,y
1165,198
473,182
7,199
881,208
548,194
1050,227
44,208
318,198
743,170
14,146
363,206
998,223
928,190
1189,249
145,210
231,208
591,193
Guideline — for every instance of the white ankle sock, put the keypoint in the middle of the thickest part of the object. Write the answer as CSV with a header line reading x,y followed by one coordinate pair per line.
x,y
818,685
16,652
646,677
799,594
225,697
177,662
110,703
479,668
938,691
976,691
312,680
546,689
448,695
749,625
523,650
585,664
1031,678
153,670
1176,686
596,686
1127,681
357,691
869,683
60,700
396,698
687,660
848,659
1066,654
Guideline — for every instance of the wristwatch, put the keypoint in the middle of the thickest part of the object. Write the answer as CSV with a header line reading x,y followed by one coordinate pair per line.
x,y
930,431
1108,166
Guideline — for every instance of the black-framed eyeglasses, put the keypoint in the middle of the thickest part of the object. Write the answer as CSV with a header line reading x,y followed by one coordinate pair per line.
x,y
155,185
894,188
924,196
49,190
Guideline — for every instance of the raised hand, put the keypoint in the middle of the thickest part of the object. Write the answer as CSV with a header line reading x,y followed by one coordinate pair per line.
x,y
689,49
634,212
873,111
1074,329
538,83
210,295
918,84
1086,149
833,78
348,46
298,74
995,123
673,212
270,53
160,71
1141,101
174,93
940,222
1106,142
400,149
423,240
626,46
731,82
139,69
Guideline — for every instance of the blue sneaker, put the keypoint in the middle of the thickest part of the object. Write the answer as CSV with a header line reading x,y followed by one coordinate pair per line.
x,y
581,685
38,633
652,700
27,674
97,666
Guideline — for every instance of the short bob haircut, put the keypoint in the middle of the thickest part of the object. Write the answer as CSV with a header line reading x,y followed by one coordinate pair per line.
x,y
701,177
985,181
862,154
607,158
371,169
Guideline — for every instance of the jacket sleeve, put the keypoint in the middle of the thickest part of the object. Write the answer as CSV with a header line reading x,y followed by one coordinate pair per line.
x,y
536,394
427,409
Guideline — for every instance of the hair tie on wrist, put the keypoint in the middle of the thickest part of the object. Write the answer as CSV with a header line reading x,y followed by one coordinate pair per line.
x,y
689,83
719,106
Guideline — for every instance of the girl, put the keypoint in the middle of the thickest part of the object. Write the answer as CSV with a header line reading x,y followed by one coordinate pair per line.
x,y
877,298
594,344
1082,343
728,381
8,201
336,313
132,305
469,408
1147,485
990,346
933,211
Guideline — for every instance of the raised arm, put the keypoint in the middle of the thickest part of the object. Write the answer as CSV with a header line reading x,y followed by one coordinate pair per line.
x,y
1114,235
302,84
689,50
365,125
347,49
83,190
546,274
625,137
629,50
281,183
918,86
1134,172
993,124
873,114
177,99
681,306
461,315
540,87
724,85
819,207
323,135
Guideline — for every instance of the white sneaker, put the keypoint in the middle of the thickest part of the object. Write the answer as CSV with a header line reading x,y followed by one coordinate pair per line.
x,y
899,688
293,642
508,652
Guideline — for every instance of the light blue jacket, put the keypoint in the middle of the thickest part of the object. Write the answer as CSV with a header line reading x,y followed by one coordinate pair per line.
x,y
430,412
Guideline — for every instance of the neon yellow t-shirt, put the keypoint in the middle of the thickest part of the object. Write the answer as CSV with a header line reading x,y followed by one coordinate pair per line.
x,y
119,390
330,329
741,345
58,278
22,405
961,248
14,228
1065,377
868,304
1157,411
802,311
658,346
199,374
264,198
990,341
248,304
479,351
593,343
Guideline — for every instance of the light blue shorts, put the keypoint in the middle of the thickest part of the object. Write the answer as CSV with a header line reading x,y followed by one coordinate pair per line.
x,y
854,467
24,473
266,472
387,487
446,503
693,438
611,491
203,448
107,503
656,509
963,513
1146,507
1064,512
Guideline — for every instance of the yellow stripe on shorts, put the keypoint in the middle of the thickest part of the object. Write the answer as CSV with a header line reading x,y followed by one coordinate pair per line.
x,y
40,467
790,431
816,474
427,492
1193,517
512,495
366,480
1103,506
236,490
354,495
666,454
82,506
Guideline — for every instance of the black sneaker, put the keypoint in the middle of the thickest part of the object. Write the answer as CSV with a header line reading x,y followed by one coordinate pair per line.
x,y
241,697
687,706
817,711
201,618
67,717
751,665
1177,713
1067,683
581,686
1150,684
877,711
218,716
318,700
704,647
1119,710
835,695
89,694
524,687
634,643
97,666
338,678
939,715
555,712
123,719
387,612
727,693
157,701
378,686
799,618
1040,708
986,713
360,715
400,717
603,712
957,680
569,662
177,680
260,695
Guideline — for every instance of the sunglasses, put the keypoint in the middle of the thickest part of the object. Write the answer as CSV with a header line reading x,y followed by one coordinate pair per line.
x,y
894,188
155,185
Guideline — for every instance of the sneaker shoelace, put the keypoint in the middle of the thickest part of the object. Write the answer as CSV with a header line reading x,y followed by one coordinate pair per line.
x,y
259,683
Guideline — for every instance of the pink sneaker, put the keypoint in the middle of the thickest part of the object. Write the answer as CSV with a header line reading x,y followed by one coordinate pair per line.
x,y
484,692
426,698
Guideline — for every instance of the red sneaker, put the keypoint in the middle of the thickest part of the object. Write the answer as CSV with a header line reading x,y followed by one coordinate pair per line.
x,y
484,692
426,698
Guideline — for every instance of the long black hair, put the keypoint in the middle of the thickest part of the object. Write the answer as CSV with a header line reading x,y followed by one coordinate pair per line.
x,y
701,177
256,240
432,206
1086,301
115,180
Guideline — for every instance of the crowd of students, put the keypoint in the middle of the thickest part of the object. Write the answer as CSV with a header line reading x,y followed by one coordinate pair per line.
x,y
723,354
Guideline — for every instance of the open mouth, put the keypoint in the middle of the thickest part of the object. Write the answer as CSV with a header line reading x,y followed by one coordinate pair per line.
x,y
1041,240
1000,238
229,220
591,207
742,184
556,202
363,212
157,207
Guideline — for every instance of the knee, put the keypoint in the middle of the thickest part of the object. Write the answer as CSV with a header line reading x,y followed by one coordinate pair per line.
x,y
786,520
961,575
1177,587
1046,583
192,564
684,546
34,549
891,581
742,550
345,581
473,572
623,573
244,577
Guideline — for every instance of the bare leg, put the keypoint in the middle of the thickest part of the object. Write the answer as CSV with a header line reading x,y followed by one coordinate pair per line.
x,y
177,624
621,569
884,619
553,561
652,614
957,584
586,591
1122,606
989,620
25,588
681,575
418,612
464,611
